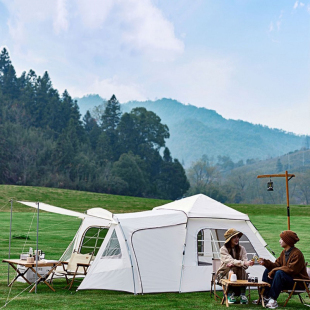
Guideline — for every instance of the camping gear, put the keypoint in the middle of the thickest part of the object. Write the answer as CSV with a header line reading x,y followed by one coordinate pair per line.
x,y
76,266
170,248
167,249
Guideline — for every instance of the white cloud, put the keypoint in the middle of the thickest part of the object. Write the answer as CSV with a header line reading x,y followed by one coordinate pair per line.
x,y
146,28
119,26
94,12
271,28
298,4
61,21
124,91
295,5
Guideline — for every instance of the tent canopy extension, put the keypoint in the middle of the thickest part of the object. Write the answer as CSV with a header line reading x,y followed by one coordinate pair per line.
x,y
167,249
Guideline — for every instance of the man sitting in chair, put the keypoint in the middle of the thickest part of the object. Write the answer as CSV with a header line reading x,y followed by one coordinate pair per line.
x,y
290,264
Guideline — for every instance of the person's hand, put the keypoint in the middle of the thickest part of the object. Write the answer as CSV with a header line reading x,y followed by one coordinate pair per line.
x,y
230,265
270,277
248,263
261,261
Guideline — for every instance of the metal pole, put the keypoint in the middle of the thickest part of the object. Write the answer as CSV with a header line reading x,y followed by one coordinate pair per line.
x,y
37,252
288,202
10,241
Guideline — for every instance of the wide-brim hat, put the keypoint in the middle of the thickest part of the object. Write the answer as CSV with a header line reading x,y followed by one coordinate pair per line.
x,y
231,232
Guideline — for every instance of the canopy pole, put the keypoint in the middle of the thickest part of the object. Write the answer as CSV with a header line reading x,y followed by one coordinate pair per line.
x,y
10,241
129,254
184,249
37,252
288,202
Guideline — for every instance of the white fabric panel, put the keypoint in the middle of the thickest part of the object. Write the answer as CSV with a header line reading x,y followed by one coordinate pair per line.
x,y
149,219
203,206
159,254
196,278
116,279
53,209
110,273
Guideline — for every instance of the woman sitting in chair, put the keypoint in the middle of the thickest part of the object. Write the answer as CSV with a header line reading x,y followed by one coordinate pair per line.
x,y
234,257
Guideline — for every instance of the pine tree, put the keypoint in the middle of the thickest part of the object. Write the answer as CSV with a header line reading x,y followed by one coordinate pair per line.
x,y
8,79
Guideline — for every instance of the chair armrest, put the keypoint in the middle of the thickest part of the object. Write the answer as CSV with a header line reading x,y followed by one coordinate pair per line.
x,y
83,265
301,280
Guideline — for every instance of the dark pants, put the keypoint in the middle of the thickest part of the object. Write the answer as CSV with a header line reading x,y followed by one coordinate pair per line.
x,y
281,281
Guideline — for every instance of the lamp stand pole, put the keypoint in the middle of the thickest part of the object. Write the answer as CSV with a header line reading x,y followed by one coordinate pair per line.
x,y
288,202
287,178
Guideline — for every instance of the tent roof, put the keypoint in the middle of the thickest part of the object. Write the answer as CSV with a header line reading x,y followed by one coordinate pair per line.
x,y
203,206
100,212
151,219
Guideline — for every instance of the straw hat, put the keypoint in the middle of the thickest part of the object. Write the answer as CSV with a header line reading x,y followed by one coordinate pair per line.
x,y
231,232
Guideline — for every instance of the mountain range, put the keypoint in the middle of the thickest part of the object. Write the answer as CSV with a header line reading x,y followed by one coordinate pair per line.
x,y
195,132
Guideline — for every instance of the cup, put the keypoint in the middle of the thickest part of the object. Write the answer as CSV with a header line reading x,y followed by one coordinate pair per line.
x,y
233,277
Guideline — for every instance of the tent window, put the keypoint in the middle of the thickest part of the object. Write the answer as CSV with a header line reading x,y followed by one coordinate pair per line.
x,y
113,249
209,242
93,239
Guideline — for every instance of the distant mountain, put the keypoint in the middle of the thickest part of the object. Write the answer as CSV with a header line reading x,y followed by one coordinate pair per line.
x,y
197,131
88,102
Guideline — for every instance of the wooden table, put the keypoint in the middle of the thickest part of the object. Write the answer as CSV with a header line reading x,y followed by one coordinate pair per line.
x,y
32,266
260,286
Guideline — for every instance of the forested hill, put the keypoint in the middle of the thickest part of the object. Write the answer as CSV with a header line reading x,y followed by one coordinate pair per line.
x,y
45,141
199,131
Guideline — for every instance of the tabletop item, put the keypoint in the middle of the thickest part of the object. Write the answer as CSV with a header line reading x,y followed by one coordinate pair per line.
x,y
233,277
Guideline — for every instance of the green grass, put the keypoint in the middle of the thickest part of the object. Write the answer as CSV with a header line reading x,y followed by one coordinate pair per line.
x,y
56,232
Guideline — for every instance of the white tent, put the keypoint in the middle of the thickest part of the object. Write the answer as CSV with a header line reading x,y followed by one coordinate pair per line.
x,y
170,248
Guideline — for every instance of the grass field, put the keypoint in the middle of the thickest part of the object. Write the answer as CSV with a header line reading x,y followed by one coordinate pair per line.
x,y
57,231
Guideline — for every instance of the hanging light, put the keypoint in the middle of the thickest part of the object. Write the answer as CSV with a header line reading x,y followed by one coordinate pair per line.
x,y
270,186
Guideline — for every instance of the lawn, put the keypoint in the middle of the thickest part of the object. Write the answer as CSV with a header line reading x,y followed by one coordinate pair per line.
x,y
56,232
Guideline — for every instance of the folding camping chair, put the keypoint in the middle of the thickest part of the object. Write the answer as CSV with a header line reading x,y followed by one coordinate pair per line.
x,y
294,291
76,266
216,263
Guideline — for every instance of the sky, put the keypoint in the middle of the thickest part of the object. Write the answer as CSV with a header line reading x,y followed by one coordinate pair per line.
x,y
245,59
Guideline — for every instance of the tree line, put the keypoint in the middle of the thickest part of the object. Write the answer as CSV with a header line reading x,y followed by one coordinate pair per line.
x,y
44,142
231,182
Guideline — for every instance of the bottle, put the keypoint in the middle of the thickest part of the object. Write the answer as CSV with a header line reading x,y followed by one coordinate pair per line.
x,y
30,252
229,274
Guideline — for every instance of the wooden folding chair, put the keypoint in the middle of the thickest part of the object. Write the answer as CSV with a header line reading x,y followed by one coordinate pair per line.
x,y
216,263
76,266
298,291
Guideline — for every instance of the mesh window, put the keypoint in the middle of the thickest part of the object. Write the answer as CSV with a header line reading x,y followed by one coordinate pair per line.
x,y
113,249
93,239
209,242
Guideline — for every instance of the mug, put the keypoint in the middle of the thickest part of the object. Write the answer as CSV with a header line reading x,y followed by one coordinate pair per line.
x,y
233,277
